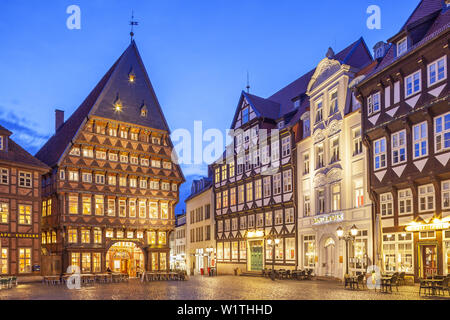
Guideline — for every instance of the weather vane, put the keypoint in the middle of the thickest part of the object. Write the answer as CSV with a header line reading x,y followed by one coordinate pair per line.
x,y
132,24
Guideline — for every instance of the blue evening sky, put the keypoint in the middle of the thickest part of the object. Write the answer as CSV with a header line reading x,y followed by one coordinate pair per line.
x,y
197,53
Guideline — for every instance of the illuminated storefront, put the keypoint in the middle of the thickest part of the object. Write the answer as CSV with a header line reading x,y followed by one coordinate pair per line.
x,y
125,257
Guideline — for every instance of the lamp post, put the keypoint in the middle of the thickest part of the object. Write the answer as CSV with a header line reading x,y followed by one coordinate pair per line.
x,y
350,236
273,242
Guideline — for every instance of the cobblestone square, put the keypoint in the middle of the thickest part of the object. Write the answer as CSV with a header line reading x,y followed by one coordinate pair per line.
x,y
207,288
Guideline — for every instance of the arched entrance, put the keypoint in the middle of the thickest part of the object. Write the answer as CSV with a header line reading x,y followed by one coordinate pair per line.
x,y
329,258
125,257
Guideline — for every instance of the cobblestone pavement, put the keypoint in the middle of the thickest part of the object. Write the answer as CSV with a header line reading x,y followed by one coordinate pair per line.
x,y
206,288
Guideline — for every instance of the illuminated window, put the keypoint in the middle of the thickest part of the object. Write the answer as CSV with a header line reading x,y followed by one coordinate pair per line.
x,y
75,151
99,206
123,134
309,249
72,234
277,184
49,207
153,208
85,235
130,234
218,200
122,208
134,160
4,261
123,158
112,181
132,204
100,179
113,157
145,162
109,233
249,189
335,156
357,141
359,193
306,205
111,207
290,248
319,111
85,262
445,189
88,153
87,205
154,261
269,218
100,155
233,196
258,189
278,217
320,194
112,132
134,136
225,199
287,181
133,183
98,235
24,260
24,214
217,175
162,238
75,259
336,197
334,107
44,208
286,146
119,234
96,262
4,212
319,156
267,187
73,176
142,210
306,164
151,237
164,210
122,181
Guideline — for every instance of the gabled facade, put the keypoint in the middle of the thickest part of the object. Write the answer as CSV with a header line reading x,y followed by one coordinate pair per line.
x,y
255,185
20,209
406,125
179,250
109,199
331,169
200,241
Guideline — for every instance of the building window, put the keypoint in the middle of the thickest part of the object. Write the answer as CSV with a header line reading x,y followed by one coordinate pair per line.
x,y
306,205
132,208
162,238
25,179
306,128
243,223
72,234
289,215
98,235
402,46
357,141
398,252
437,71
445,189
24,260
405,201
88,153
122,181
269,218
85,262
426,198
232,170
24,214
267,187
112,132
73,204
153,210
335,150
277,184
386,204
113,157
165,211
359,193
86,204
242,250
309,249
227,225
319,157
420,143
75,151
248,164
336,197
85,235
258,189
4,176
122,208
1,143
334,102
287,181
143,183
219,200
96,261
256,161
152,237
217,175
373,103
100,155
100,179
145,162
73,176
319,111
4,261
413,84
99,206
380,153
142,210
286,146
86,177
278,217
290,248
306,163
399,147
133,183
245,117
442,132
265,155
4,212
111,207
320,201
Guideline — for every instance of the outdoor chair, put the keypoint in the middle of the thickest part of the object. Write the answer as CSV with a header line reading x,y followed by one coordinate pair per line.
x,y
425,285
308,274
443,286
401,279
360,280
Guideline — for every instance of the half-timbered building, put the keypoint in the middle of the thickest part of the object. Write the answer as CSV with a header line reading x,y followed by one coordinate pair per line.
x,y
109,200
20,208
406,125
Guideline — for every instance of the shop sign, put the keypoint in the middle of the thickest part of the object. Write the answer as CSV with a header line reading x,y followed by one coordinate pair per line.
x,y
18,235
428,227
328,218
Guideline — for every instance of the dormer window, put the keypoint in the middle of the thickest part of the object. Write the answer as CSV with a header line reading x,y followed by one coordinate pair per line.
x,y
280,124
402,46
2,144
144,111
297,103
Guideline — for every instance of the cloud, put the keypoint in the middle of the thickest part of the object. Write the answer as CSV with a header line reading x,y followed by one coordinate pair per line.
x,y
24,130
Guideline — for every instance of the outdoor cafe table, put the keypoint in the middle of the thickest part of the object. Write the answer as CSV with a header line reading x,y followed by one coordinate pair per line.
x,y
384,282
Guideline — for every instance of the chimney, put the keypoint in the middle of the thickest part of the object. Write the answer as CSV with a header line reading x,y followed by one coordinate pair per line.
x,y
59,119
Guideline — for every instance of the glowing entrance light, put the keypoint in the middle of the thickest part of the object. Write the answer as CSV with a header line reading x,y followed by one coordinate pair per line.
x,y
255,234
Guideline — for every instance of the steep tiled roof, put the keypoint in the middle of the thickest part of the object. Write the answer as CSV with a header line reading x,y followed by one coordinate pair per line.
x,y
440,26
199,187
423,9
100,103
280,104
18,155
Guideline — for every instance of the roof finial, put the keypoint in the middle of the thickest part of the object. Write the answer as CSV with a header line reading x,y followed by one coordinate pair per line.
x,y
132,24
248,83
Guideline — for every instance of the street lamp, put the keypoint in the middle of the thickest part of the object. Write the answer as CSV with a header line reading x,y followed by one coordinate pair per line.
x,y
273,242
350,236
